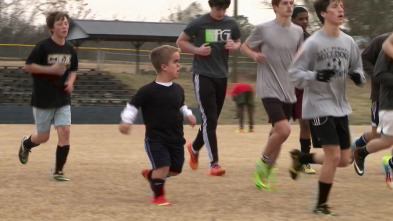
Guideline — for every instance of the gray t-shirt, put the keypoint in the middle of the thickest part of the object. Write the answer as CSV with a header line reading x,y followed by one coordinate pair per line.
x,y
279,44
206,30
321,51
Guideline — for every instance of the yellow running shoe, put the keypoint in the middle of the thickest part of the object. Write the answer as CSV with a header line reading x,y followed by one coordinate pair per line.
x,y
307,169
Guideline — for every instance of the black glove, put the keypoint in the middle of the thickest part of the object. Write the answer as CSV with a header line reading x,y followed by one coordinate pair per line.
x,y
325,75
356,78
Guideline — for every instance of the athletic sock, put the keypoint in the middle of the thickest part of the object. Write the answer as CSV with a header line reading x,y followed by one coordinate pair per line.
x,y
391,162
267,160
193,151
362,141
305,145
363,152
61,157
158,187
29,144
324,189
306,158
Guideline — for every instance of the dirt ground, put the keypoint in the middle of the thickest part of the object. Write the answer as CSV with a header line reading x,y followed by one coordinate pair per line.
x,y
104,167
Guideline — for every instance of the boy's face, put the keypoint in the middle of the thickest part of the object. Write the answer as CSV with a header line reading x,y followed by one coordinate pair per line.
x,y
60,28
173,66
301,20
284,8
217,13
334,13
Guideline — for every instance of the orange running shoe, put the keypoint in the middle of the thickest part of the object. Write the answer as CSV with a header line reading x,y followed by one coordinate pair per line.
x,y
216,170
192,158
159,200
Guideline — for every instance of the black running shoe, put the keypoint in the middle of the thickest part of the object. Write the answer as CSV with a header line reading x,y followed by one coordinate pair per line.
x,y
358,162
23,151
296,165
324,210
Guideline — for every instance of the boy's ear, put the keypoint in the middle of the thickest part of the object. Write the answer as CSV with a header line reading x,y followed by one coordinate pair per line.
x,y
163,67
323,14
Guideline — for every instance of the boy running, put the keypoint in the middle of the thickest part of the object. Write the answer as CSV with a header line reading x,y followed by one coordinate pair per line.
x,y
300,17
369,58
53,64
327,58
273,46
163,111
214,35
383,74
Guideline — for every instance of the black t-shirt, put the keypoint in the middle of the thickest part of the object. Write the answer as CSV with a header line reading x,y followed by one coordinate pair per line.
x,y
161,113
206,30
48,90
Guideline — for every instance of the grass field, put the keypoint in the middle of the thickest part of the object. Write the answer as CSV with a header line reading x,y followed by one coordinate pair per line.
x,y
104,167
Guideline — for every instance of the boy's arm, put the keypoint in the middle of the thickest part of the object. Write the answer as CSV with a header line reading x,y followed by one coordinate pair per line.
x,y
184,42
69,84
128,116
387,46
382,71
232,45
355,71
257,56
302,73
55,69
187,114
370,55
251,47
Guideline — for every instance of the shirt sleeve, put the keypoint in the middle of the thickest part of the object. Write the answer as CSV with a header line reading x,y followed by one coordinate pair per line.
x,y
355,60
128,115
382,74
302,73
36,55
185,111
255,39
74,61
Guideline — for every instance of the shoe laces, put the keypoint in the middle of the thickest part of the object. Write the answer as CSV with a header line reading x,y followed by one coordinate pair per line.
x,y
324,209
216,166
59,173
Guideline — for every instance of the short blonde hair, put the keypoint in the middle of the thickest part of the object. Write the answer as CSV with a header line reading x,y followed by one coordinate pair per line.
x,y
160,55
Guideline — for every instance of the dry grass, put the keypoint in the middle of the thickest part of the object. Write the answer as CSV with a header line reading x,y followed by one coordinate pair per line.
x,y
104,167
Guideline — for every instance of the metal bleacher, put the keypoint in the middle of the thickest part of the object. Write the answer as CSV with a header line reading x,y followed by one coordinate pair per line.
x,y
98,97
91,88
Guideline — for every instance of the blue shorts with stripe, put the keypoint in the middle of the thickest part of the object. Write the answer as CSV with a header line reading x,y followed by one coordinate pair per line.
x,y
165,154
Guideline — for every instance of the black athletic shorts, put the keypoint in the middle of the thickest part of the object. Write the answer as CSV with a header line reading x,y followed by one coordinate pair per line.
x,y
330,131
276,109
164,154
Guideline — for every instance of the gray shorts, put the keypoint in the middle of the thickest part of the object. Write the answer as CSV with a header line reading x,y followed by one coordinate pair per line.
x,y
45,117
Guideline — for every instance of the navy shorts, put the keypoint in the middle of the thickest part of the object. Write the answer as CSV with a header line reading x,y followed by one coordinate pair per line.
x,y
276,109
330,131
165,154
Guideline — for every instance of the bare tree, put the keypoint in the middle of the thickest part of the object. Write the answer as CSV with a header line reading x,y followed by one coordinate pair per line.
x,y
75,8
21,21
185,15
